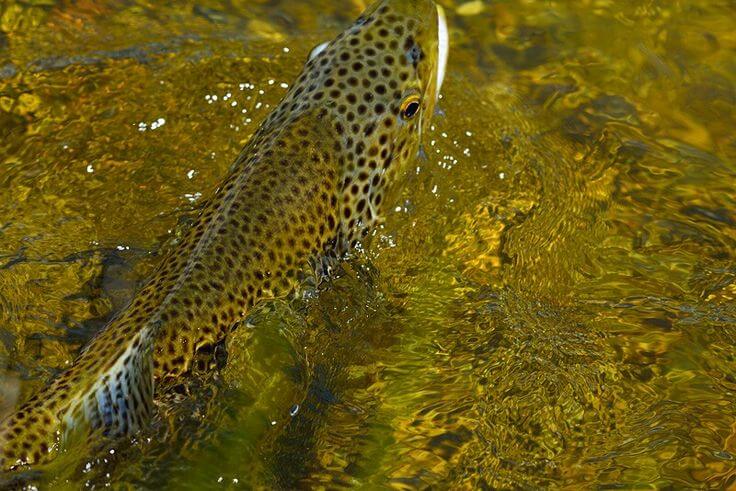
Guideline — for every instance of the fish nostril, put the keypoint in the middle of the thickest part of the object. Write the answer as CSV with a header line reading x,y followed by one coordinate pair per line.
x,y
414,55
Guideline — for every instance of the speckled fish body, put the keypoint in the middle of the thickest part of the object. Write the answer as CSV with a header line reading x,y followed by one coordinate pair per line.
x,y
311,182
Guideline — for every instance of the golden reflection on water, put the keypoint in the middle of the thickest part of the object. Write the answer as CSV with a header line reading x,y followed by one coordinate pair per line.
x,y
550,303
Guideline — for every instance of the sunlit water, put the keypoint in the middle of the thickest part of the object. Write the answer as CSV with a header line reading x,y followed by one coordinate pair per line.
x,y
550,303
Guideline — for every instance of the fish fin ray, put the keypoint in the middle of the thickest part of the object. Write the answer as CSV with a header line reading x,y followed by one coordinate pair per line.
x,y
120,400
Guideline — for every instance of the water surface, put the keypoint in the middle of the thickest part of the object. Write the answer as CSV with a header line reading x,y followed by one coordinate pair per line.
x,y
550,303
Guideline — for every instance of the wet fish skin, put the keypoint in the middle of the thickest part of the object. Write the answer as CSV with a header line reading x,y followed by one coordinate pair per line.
x,y
311,182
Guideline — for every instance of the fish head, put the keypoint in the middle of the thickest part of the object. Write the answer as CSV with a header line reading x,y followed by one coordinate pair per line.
x,y
386,69
375,87
378,83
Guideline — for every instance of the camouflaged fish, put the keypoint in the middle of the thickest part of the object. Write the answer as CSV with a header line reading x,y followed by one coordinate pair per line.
x,y
309,184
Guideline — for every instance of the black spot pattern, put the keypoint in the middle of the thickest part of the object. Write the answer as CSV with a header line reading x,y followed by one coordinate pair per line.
x,y
311,182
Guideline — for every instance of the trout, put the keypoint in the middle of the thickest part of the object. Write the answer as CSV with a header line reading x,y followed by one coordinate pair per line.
x,y
309,184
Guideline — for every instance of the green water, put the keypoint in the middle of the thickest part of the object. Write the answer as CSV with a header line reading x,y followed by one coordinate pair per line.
x,y
550,303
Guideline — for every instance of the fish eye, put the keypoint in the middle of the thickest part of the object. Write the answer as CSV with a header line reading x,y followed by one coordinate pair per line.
x,y
410,107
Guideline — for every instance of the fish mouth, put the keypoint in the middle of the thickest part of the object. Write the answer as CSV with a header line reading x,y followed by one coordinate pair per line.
x,y
443,47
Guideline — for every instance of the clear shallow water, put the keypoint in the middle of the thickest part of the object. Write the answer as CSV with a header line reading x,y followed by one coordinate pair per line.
x,y
551,302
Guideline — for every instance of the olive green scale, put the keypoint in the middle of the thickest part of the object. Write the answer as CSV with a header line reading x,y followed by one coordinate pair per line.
x,y
310,182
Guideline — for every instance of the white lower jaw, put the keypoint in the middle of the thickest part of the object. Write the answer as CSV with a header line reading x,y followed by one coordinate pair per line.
x,y
443,47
